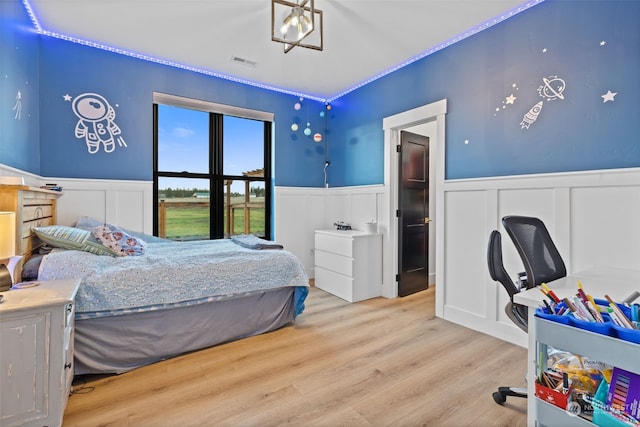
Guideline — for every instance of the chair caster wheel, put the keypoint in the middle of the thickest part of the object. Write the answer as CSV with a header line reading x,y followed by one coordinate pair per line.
x,y
499,398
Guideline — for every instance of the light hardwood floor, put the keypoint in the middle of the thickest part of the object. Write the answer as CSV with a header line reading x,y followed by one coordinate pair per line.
x,y
381,362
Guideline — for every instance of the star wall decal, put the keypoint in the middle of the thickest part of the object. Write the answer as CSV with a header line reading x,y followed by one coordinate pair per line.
x,y
67,97
609,96
510,99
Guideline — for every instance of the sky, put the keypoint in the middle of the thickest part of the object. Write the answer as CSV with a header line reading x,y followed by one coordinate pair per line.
x,y
183,145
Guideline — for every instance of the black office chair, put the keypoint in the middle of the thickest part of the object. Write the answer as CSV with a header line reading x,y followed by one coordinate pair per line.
x,y
542,263
516,312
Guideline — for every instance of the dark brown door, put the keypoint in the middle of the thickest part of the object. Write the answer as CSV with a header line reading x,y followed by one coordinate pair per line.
x,y
414,214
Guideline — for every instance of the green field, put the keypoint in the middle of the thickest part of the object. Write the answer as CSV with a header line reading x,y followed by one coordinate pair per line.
x,y
189,219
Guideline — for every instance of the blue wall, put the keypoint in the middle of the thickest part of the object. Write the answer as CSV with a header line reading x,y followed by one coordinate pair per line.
x,y
128,85
515,57
19,112
550,56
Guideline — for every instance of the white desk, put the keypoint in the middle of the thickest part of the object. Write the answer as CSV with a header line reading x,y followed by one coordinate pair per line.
x,y
616,282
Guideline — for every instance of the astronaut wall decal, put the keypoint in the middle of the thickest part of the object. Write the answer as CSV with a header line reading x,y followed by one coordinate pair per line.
x,y
96,122
18,106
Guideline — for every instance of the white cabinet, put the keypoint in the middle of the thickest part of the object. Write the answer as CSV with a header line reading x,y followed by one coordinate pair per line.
x,y
348,263
36,353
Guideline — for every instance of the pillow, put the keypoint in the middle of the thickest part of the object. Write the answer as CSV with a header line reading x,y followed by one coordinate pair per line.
x,y
121,243
87,223
31,267
61,236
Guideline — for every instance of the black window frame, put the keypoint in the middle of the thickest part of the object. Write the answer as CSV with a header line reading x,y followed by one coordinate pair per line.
x,y
216,176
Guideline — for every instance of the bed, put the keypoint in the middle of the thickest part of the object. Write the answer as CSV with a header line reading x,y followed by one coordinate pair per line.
x,y
175,297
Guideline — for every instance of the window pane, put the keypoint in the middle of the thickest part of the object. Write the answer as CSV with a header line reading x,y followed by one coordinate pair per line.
x,y
183,140
183,208
244,209
243,146
187,164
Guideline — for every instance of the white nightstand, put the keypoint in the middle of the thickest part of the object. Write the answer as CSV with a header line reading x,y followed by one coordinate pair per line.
x,y
348,263
36,353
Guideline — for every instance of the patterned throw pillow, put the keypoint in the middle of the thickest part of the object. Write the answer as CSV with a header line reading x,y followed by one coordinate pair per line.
x,y
88,223
121,243
61,236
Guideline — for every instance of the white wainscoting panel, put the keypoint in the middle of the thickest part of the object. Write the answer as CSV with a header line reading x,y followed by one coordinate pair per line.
x,y
338,208
605,227
467,227
29,178
128,204
299,211
592,217
77,203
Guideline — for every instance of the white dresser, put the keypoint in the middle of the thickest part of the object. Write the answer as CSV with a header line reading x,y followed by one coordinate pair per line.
x,y
348,263
36,355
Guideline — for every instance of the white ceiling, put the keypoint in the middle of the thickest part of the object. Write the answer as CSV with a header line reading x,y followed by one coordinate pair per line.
x,y
362,38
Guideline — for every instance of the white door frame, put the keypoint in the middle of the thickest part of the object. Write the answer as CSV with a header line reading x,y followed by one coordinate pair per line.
x,y
392,126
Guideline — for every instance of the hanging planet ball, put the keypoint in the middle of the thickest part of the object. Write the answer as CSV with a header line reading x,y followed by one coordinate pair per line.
x,y
307,131
321,113
294,127
301,99
328,107
317,137
297,106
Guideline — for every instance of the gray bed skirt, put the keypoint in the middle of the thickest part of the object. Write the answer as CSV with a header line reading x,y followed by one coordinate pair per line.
x,y
121,343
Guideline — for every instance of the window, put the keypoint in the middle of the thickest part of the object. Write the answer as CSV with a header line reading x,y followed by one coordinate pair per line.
x,y
212,170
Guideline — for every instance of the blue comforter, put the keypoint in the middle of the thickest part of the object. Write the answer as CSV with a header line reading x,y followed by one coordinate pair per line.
x,y
173,274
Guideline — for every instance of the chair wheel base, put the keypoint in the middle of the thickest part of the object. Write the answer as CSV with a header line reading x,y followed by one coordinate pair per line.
x,y
500,396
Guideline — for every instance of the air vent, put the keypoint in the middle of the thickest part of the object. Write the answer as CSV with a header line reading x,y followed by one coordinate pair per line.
x,y
243,61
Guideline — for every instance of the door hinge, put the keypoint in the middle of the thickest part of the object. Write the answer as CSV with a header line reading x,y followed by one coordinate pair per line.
x,y
398,148
398,213
397,277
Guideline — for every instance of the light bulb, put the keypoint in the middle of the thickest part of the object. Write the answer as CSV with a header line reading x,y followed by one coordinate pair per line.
x,y
285,25
306,21
300,32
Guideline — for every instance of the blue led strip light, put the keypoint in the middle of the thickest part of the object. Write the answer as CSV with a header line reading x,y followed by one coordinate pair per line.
x,y
447,43
32,16
148,58
177,65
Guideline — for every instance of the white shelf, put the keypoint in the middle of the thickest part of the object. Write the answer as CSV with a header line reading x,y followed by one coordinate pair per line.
x,y
552,416
606,349
610,350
